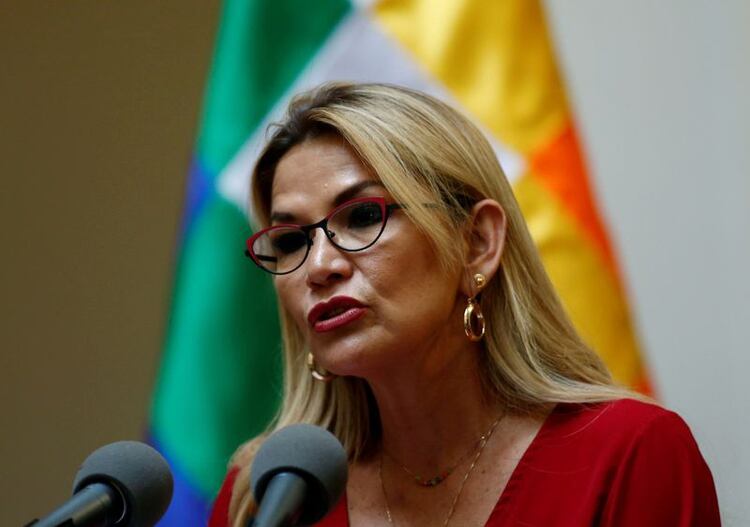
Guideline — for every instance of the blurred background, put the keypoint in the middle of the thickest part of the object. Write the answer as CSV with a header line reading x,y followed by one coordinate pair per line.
x,y
100,105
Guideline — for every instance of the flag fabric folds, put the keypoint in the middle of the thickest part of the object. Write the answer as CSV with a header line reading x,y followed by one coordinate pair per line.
x,y
219,381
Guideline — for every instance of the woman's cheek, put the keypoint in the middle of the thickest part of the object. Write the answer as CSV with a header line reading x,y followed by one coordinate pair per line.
x,y
285,294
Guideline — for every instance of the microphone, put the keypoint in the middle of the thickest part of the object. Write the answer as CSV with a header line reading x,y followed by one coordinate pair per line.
x,y
124,484
297,476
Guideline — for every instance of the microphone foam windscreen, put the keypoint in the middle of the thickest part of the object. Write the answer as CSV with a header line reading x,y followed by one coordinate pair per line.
x,y
310,452
139,472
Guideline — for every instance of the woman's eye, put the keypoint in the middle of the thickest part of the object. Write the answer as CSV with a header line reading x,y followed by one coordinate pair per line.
x,y
365,215
289,242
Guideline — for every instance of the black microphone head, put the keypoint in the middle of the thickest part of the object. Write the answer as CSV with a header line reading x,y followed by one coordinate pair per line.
x,y
310,452
138,472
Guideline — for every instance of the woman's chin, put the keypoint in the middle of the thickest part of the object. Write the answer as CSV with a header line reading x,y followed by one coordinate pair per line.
x,y
349,360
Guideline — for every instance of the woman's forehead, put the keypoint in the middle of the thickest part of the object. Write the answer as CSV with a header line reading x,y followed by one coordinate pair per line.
x,y
318,172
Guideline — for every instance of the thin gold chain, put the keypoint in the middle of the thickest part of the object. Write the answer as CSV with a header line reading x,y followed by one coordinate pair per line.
x,y
483,442
436,480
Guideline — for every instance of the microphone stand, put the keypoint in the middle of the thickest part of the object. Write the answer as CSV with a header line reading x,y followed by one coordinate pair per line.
x,y
282,502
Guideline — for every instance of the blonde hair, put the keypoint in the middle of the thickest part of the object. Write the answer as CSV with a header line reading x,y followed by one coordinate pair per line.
x,y
425,152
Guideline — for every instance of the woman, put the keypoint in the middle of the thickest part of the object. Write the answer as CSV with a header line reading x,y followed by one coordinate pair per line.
x,y
419,327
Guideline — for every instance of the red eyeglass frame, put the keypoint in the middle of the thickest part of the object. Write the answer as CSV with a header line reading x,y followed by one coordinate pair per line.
x,y
385,208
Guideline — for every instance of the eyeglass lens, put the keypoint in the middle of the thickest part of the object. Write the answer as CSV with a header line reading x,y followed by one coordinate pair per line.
x,y
351,228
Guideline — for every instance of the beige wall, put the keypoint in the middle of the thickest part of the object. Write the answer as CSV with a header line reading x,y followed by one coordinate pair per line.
x,y
99,104
661,96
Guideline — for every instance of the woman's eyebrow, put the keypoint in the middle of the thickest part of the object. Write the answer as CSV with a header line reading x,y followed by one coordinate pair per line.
x,y
341,197
355,189
284,217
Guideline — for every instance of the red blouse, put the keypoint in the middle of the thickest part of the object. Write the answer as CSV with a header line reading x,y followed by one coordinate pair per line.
x,y
616,464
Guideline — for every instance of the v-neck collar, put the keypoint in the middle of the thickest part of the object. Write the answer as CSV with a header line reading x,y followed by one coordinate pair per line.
x,y
503,505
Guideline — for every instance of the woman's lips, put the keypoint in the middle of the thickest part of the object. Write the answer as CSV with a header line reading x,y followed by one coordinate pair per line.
x,y
350,315
335,313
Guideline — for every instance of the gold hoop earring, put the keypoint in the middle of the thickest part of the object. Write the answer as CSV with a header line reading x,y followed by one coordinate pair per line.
x,y
473,317
318,375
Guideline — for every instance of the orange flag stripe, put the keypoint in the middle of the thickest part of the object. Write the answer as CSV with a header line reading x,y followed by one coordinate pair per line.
x,y
560,168
590,292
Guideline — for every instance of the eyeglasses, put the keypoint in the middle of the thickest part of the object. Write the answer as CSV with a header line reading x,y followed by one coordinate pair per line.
x,y
352,226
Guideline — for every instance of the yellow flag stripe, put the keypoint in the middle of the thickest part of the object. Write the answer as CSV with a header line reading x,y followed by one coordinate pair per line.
x,y
494,57
589,292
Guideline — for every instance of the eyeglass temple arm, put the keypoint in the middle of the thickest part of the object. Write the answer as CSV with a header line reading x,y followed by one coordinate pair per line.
x,y
261,257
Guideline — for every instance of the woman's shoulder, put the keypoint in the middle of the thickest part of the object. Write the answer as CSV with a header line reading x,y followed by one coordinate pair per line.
x,y
219,516
609,433
618,435
616,420
234,497
641,456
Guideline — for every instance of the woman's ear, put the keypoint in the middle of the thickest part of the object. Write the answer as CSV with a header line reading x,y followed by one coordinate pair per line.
x,y
486,239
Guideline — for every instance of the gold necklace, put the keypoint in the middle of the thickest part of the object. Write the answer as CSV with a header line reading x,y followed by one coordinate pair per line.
x,y
482,443
441,476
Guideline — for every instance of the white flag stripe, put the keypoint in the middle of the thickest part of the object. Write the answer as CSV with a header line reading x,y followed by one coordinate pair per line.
x,y
363,4
359,51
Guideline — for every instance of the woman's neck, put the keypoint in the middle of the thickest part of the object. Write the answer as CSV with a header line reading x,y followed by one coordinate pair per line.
x,y
431,417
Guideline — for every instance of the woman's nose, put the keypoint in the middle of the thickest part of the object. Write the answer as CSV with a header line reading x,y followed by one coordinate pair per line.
x,y
325,262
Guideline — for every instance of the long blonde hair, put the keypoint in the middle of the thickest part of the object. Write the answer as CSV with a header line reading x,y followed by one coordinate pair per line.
x,y
425,152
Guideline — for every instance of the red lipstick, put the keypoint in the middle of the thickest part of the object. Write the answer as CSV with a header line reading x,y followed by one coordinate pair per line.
x,y
335,313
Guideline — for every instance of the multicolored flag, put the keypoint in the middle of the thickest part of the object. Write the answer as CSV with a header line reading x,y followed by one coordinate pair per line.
x,y
220,376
